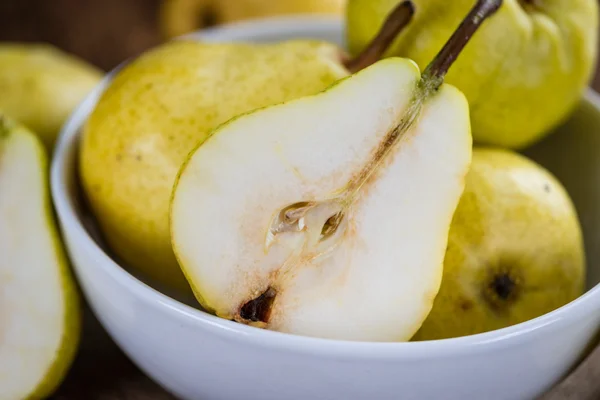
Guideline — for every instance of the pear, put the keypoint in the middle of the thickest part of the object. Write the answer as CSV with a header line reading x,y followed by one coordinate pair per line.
x,y
41,85
524,72
178,17
167,101
39,303
515,250
335,207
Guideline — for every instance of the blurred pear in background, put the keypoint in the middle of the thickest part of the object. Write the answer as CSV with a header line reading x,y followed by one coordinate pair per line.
x,y
178,17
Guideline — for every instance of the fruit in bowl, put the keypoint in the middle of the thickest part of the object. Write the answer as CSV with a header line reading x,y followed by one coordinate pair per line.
x,y
300,247
355,209
173,342
158,130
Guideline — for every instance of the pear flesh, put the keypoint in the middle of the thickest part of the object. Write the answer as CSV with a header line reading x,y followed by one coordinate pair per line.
x,y
305,241
39,314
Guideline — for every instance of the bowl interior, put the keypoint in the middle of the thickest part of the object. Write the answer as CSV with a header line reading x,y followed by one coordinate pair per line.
x,y
569,152
572,154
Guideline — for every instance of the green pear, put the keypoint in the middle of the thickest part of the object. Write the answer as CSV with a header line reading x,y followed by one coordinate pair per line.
x,y
41,85
515,250
336,206
523,73
39,303
166,102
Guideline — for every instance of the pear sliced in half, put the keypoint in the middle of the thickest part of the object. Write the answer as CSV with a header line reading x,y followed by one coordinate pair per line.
x,y
39,304
328,215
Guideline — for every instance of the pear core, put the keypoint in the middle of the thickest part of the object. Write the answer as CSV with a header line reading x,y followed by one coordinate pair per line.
x,y
323,222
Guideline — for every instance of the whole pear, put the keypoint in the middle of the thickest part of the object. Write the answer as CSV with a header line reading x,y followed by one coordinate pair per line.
x,y
41,85
167,102
523,73
158,109
182,16
515,249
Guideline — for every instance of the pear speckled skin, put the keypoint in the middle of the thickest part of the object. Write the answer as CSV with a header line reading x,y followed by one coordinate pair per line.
x,y
515,249
163,105
522,73
40,86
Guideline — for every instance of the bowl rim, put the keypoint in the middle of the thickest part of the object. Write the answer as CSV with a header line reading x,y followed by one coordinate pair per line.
x,y
69,221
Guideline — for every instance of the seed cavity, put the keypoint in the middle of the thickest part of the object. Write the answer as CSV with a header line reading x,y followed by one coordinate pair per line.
x,y
291,218
294,213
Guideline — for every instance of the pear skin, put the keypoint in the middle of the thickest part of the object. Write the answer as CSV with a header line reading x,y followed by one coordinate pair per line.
x,y
523,73
40,316
515,249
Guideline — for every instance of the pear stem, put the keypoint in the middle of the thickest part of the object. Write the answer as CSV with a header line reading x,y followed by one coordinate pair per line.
x,y
394,24
432,78
437,69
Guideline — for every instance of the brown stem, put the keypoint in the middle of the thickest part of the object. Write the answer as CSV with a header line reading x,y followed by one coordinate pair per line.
x,y
392,27
440,65
432,79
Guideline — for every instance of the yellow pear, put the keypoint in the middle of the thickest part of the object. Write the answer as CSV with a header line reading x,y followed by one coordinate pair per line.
x,y
40,86
523,74
39,304
515,249
178,17
165,103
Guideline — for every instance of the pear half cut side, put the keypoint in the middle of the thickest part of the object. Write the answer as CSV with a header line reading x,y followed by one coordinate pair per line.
x,y
367,268
39,303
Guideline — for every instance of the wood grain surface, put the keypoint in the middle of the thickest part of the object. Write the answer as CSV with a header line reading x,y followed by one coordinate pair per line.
x,y
106,32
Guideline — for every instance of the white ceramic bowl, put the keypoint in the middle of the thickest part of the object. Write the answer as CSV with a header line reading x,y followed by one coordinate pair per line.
x,y
198,356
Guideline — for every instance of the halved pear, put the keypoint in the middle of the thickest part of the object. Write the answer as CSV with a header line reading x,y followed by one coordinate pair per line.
x,y
328,216
39,305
